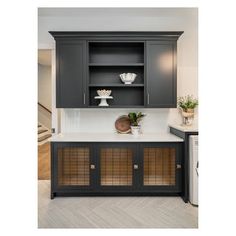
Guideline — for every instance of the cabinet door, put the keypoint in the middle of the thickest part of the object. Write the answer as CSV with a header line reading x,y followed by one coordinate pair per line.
x,y
161,74
70,74
72,166
161,167
117,167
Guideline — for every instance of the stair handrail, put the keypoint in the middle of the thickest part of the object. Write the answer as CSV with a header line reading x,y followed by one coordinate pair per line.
x,y
44,107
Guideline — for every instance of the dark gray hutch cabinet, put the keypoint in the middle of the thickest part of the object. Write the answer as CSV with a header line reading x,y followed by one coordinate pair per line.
x,y
88,61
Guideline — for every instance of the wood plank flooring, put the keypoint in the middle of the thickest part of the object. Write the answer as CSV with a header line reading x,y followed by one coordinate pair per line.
x,y
113,212
44,161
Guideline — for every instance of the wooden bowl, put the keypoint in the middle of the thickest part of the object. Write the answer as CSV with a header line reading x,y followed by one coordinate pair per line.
x,y
122,124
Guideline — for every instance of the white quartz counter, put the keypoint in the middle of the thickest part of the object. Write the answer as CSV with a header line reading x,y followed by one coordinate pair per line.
x,y
191,128
114,137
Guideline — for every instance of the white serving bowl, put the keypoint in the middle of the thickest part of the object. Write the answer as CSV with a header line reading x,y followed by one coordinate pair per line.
x,y
128,78
104,93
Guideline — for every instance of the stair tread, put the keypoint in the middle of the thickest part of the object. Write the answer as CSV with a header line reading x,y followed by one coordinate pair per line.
x,y
44,137
42,131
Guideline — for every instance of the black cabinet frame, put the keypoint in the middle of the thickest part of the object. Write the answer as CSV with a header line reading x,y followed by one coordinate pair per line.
x,y
139,95
95,189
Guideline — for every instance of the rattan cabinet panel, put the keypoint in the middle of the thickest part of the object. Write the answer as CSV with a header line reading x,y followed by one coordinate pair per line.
x,y
159,166
116,166
73,166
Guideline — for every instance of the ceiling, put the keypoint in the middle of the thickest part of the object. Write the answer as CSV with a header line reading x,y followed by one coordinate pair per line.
x,y
44,57
125,12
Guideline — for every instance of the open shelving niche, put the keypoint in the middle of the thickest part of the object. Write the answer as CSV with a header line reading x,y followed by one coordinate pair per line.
x,y
107,60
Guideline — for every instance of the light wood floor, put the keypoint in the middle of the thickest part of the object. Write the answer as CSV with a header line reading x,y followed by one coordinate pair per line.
x,y
113,212
44,161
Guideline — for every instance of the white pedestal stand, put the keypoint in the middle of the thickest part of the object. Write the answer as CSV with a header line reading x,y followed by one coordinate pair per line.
x,y
103,102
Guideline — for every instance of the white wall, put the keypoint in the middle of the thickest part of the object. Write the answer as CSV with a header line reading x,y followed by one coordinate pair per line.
x,y
90,120
45,86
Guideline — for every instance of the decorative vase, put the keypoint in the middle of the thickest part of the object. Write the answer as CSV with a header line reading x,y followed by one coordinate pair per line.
x,y
128,78
188,116
135,130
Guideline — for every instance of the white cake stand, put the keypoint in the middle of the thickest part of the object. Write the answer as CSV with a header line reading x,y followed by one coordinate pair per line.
x,y
103,102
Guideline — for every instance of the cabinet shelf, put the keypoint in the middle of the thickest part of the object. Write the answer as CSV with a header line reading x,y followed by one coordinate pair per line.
x,y
117,106
116,64
116,53
116,85
111,74
122,96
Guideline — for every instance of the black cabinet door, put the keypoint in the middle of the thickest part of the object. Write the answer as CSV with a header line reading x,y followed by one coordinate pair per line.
x,y
160,167
116,170
72,167
161,74
70,74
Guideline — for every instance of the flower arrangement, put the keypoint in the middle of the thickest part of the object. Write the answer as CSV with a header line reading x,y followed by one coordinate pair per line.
x,y
187,105
187,102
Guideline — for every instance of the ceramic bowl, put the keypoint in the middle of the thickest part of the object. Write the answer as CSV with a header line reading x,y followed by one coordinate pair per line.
x,y
104,93
128,78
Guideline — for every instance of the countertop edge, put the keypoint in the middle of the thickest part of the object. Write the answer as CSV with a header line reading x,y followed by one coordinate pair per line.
x,y
185,129
113,138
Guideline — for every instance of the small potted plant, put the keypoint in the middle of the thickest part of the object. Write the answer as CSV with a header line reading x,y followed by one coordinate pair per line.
x,y
135,118
187,105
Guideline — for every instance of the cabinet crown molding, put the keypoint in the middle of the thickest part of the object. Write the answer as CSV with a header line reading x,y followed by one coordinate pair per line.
x,y
136,34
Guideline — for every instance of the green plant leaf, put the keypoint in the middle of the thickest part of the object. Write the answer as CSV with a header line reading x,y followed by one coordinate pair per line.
x,y
135,118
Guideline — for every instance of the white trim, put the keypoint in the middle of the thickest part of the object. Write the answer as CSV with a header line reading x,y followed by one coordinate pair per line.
x,y
55,111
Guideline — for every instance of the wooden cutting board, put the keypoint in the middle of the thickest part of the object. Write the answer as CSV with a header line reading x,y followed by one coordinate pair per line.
x,y
122,124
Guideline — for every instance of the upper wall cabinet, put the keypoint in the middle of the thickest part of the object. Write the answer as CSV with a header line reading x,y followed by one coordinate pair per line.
x,y
90,61
70,73
161,73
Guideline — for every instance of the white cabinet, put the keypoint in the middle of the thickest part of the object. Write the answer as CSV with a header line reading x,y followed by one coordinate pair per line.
x,y
193,169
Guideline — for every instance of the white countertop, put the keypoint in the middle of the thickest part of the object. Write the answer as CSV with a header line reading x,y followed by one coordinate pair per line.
x,y
114,137
185,128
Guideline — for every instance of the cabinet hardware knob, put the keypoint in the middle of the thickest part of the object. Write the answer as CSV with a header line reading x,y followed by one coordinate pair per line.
x,y
178,166
148,98
135,166
84,98
92,167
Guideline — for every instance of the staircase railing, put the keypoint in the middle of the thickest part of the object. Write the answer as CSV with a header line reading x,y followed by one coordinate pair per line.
x,y
45,108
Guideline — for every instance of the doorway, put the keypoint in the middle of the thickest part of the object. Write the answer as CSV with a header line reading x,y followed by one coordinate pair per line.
x,y
44,111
